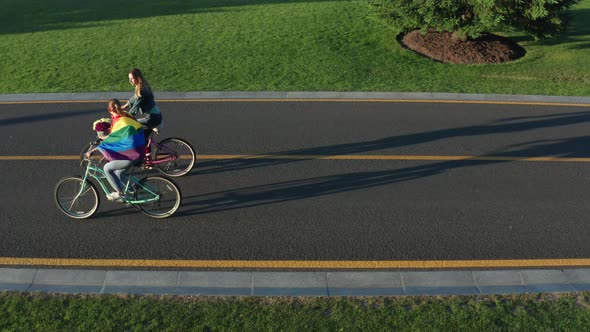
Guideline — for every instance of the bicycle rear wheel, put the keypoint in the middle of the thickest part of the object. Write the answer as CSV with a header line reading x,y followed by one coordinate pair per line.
x,y
76,198
174,157
169,201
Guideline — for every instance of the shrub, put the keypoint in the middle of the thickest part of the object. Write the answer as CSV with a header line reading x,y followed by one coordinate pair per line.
x,y
470,18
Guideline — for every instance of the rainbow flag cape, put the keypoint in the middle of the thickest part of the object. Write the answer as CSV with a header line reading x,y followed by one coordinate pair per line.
x,y
125,141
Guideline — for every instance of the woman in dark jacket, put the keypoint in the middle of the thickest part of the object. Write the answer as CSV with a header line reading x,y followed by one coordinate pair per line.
x,y
143,102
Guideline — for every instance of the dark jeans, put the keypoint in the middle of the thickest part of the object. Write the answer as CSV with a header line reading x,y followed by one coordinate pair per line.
x,y
149,121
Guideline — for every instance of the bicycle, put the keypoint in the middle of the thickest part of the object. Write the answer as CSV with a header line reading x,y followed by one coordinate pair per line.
x,y
77,197
172,156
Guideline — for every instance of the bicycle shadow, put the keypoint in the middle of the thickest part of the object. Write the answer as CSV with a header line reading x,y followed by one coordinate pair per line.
x,y
114,210
256,196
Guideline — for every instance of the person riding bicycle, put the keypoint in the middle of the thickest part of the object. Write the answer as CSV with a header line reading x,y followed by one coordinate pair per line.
x,y
123,147
143,102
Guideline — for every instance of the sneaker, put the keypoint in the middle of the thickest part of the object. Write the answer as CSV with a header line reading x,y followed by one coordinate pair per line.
x,y
113,196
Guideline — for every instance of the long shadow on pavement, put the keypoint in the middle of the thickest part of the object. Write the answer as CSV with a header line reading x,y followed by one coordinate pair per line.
x,y
574,148
326,185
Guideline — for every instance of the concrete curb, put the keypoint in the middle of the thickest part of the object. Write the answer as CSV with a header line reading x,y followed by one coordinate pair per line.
x,y
167,96
294,283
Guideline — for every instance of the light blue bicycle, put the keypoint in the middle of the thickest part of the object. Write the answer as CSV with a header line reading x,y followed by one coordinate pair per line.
x,y
77,197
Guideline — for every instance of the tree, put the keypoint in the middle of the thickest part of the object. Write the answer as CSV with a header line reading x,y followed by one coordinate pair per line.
x,y
471,18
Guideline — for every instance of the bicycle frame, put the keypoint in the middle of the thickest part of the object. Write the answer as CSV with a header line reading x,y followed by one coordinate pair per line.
x,y
152,143
98,174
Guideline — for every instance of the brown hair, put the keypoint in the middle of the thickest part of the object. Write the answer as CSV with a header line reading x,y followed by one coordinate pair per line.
x,y
115,106
141,81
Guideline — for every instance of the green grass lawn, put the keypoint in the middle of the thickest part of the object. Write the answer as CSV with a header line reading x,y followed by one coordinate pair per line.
x,y
532,312
256,45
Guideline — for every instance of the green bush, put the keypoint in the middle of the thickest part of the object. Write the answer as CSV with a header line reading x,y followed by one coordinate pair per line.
x,y
470,18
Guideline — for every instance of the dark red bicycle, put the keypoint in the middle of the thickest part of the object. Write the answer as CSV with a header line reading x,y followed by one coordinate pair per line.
x,y
172,156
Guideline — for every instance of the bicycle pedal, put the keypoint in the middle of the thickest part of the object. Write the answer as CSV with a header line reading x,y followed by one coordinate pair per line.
x,y
123,199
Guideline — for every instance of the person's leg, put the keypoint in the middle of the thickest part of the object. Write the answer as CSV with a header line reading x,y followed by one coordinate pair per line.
x,y
146,134
122,175
113,170
149,121
154,120
147,130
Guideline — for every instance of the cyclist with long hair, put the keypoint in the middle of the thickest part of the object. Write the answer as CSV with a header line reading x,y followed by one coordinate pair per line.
x,y
122,147
143,102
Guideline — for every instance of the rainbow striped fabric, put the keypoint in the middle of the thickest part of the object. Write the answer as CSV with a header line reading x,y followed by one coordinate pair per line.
x,y
125,142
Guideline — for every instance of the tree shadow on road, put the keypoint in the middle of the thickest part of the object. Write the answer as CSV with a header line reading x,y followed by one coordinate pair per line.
x,y
502,126
50,116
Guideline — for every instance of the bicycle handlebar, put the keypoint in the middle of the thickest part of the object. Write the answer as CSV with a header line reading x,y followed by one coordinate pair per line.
x,y
92,145
85,159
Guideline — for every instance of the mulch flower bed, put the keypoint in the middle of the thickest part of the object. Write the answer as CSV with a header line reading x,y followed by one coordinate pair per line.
x,y
445,47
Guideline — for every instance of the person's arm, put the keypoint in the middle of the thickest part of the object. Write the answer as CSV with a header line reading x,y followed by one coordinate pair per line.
x,y
96,147
90,152
134,103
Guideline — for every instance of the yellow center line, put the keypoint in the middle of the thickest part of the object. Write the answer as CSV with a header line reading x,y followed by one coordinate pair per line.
x,y
334,157
298,264
39,157
281,100
352,100
394,157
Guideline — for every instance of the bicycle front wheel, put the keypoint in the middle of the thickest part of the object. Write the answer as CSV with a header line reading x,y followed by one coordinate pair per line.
x,y
76,198
168,192
174,157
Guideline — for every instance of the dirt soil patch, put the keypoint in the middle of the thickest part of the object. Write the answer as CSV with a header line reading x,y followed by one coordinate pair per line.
x,y
444,47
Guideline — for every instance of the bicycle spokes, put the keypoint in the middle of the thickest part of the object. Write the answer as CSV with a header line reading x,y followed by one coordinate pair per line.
x,y
174,157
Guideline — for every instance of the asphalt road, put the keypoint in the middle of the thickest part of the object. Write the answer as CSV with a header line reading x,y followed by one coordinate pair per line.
x,y
395,193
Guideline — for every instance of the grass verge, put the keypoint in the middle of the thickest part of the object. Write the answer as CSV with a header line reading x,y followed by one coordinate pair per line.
x,y
256,45
531,312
